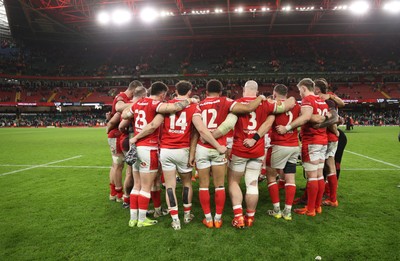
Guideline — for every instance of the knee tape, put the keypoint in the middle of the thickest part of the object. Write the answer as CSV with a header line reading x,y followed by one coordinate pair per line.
x,y
185,195
251,181
310,167
117,159
289,168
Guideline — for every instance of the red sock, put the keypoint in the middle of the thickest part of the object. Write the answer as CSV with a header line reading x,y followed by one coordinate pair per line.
x,y
126,199
204,196
237,210
290,191
273,192
312,191
162,178
327,189
112,190
187,208
143,202
219,200
119,192
134,200
321,189
333,182
281,183
156,197
173,212
250,213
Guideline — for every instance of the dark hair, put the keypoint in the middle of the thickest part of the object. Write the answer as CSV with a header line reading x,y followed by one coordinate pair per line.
x,y
322,84
134,84
183,87
308,83
214,86
281,89
158,88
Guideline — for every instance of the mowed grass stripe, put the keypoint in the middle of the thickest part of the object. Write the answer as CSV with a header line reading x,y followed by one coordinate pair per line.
x,y
64,213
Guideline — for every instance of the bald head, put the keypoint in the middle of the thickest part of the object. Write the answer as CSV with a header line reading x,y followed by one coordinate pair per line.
x,y
250,88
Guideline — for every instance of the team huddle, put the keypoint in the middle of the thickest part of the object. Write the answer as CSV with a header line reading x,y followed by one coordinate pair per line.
x,y
252,136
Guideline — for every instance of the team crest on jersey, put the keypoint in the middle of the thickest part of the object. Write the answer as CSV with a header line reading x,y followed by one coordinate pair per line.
x,y
143,164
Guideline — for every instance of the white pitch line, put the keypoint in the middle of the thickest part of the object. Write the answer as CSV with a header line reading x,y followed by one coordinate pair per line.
x,y
370,169
56,166
380,161
38,166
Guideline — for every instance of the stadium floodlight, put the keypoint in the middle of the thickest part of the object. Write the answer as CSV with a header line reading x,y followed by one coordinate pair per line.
x,y
148,15
359,7
239,10
103,18
121,16
287,8
392,7
218,11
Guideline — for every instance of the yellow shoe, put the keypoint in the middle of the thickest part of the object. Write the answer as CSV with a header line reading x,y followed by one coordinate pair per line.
x,y
146,223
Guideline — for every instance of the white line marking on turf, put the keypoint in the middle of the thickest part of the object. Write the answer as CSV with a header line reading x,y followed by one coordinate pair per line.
x,y
370,169
38,166
380,161
56,166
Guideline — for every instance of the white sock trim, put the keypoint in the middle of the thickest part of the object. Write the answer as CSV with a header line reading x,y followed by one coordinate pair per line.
x,y
145,194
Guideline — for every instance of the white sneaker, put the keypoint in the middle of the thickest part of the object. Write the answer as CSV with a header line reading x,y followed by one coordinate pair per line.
x,y
176,224
160,213
188,217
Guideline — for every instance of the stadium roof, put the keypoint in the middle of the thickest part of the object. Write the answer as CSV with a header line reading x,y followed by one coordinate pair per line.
x,y
77,20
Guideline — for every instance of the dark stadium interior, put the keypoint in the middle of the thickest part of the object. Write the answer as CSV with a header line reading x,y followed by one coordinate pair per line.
x,y
58,53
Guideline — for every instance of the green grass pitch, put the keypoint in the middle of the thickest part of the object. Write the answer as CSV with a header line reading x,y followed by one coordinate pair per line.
x,y
55,208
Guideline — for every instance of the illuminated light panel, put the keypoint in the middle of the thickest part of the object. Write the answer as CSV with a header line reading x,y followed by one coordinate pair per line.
x,y
359,7
392,7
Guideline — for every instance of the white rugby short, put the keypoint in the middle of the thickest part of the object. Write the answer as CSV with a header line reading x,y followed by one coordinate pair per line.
x,y
240,164
229,142
175,159
331,150
282,154
313,152
147,159
206,157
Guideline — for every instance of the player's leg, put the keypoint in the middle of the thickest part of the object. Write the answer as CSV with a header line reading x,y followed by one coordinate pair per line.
x,y
181,159
290,182
112,143
310,156
331,175
118,167
156,196
203,165
134,196
128,185
275,162
320,177
170,197
253,169
148,162
339,152
236,170
219,196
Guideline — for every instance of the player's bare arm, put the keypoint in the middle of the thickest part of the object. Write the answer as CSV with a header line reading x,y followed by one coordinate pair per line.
x,y
306,113
330,119
264,128
225,126
239,108
121,105
127,114
206,134
113,122
171,108
193,143
339,102
124,125
283,106
149,128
